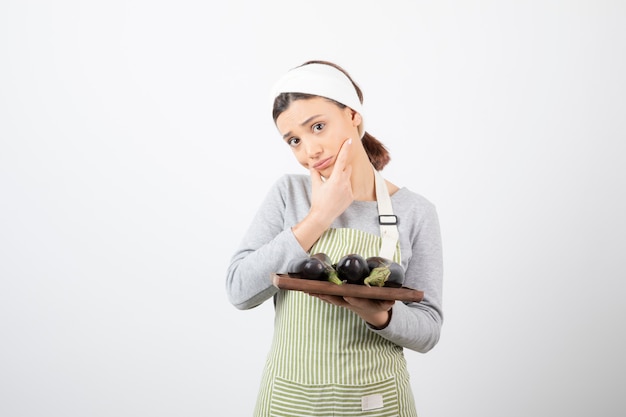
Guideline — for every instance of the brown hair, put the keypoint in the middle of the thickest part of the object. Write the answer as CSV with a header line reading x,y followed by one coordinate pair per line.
x,y
376,151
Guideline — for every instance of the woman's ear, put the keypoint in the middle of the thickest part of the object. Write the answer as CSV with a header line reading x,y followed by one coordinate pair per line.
x,y
356,118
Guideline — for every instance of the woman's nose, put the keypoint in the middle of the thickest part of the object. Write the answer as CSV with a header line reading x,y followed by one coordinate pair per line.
x,y
312,148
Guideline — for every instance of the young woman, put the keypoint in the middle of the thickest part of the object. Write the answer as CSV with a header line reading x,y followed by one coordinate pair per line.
x,y
335,355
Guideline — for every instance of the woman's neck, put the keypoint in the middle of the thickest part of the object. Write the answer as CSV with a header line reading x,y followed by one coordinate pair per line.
x,y
363,182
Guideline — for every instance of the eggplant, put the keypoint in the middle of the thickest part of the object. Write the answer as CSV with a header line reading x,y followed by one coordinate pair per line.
x,y
384,273
296,266
352,268
330,274
316,267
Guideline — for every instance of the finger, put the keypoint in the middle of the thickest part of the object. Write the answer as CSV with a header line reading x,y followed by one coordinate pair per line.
x,y
332,299
342,158
367,303
348,171
357,301
316,178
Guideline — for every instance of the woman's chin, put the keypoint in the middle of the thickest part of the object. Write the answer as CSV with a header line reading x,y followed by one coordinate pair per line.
x,y
326,173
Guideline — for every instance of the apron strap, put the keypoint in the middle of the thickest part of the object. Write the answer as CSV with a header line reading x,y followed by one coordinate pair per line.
x,y
387,220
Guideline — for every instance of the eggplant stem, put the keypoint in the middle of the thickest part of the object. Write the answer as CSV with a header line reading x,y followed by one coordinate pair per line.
x,y
334,278
378,276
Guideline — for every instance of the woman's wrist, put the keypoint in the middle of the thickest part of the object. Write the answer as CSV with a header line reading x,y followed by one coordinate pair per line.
x,y
309,230
381,320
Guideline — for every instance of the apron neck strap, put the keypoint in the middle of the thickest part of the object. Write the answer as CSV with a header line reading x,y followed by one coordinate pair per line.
x,y
386,219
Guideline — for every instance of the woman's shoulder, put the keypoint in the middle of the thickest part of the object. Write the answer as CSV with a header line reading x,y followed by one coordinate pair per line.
x,y
292,185
405,195
410,204
287,188
291,181
414,207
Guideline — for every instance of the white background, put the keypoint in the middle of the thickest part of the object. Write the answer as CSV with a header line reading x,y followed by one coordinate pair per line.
x,y
136,143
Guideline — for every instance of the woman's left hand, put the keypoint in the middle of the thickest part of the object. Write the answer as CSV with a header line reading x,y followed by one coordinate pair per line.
x,y
375,312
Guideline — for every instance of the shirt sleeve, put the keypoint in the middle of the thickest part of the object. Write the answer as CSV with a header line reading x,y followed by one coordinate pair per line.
x,y
417,326
266,247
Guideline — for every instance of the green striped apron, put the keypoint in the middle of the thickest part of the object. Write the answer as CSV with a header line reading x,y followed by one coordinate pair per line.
x,y
324,360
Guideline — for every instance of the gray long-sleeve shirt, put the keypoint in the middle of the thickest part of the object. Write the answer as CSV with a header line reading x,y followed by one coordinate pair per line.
x,y
269,245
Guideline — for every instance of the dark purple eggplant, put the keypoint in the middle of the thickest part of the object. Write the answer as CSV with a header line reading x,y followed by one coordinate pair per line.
x,y
295,266
316,267
384,273
352,268
330,274
324,258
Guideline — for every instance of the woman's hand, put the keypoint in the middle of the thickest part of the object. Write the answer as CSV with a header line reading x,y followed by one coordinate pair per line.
x,y
329,199
333,196
375,312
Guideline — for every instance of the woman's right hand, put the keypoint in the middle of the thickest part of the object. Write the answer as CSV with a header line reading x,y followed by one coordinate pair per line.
x,y
329,199
333,196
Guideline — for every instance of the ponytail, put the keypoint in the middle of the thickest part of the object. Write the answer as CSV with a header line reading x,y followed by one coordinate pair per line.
x,y
376,151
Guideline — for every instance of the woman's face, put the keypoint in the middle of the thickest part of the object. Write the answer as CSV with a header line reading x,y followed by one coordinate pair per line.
x,y
315,129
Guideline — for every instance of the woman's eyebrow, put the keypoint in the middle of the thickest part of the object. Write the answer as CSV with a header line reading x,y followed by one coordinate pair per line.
x,y
306,122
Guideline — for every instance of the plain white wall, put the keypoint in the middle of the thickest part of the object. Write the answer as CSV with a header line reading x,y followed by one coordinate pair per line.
x,y
136,143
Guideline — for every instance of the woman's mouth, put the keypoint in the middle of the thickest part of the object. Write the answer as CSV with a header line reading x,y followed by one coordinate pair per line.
x,y
324,163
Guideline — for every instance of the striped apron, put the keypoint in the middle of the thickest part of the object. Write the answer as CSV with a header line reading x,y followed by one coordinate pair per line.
x,y
324,361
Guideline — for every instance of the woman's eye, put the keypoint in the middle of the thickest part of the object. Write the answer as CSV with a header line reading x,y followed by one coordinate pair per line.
x,y
318,126
293,141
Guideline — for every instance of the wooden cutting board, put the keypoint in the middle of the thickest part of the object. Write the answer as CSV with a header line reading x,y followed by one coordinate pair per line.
x,y
285,282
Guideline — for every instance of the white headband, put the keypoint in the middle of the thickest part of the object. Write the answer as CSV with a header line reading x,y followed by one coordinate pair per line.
x,y
320,80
